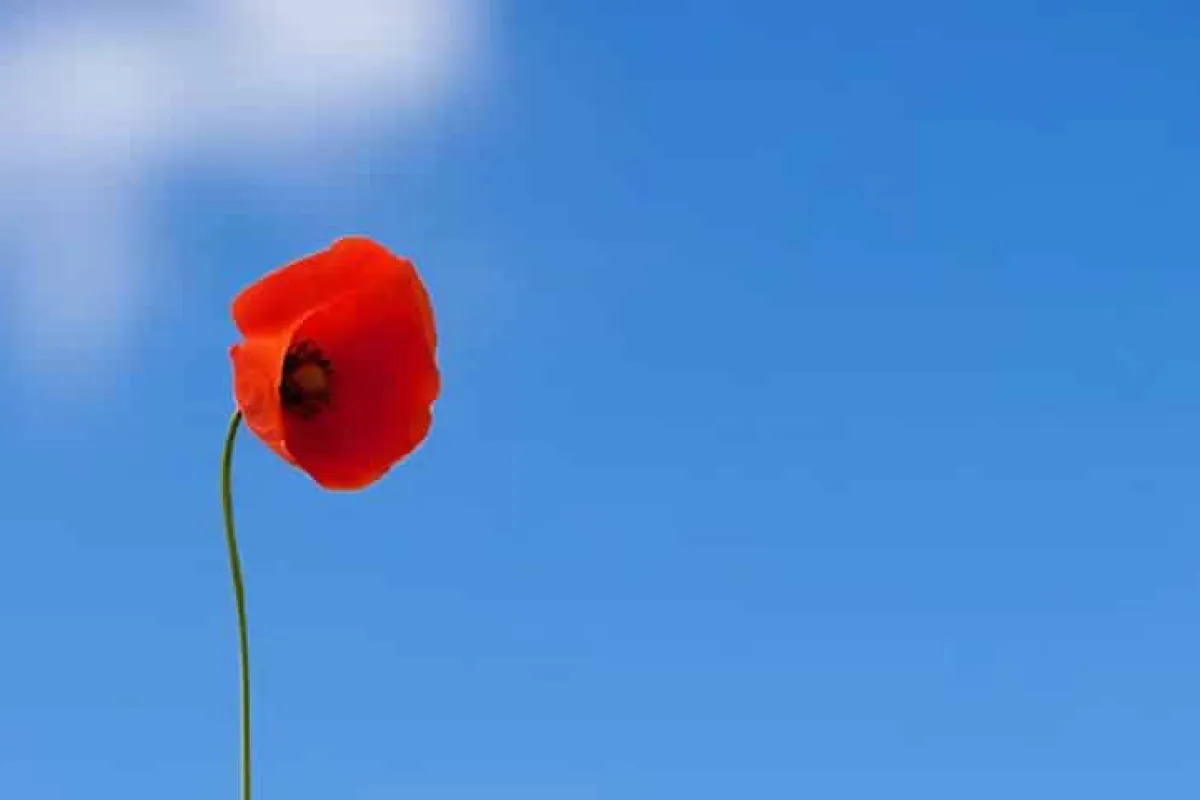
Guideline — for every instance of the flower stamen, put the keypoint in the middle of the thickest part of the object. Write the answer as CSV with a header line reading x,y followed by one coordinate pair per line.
x,y
305,386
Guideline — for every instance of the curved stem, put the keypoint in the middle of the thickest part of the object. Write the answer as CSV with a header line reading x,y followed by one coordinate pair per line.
x,y
239,593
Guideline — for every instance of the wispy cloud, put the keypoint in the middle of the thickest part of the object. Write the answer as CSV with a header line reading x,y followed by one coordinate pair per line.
x,y
99,99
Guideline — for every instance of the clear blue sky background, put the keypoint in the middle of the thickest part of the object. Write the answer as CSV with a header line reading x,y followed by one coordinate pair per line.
x,y
821,419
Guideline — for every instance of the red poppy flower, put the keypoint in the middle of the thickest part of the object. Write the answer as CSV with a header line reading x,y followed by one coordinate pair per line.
x,y
338,371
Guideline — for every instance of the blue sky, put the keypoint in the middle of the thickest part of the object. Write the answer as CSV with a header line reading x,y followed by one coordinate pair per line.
x,y
821,419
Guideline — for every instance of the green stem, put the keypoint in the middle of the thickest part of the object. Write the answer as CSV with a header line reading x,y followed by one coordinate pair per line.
x,y
239,593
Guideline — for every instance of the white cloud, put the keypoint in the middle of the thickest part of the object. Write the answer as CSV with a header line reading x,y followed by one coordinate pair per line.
x,y
96,100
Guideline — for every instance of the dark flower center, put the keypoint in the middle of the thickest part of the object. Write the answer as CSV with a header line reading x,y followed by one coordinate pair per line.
x,y
306,383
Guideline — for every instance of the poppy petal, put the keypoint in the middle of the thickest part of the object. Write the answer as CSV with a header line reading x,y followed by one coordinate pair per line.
x,y
257,367
384,379
281,298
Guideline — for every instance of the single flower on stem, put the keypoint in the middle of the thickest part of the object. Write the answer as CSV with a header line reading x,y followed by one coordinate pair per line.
x,y
337,373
